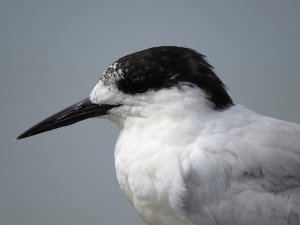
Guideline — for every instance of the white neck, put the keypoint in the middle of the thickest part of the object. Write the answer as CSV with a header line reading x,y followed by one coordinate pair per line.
x,y
174,105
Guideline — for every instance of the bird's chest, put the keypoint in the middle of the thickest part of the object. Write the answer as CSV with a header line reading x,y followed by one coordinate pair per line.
x,y
146,171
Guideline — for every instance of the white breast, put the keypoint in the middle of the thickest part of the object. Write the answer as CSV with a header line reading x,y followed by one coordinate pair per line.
x,y
152,146
199,166
148,170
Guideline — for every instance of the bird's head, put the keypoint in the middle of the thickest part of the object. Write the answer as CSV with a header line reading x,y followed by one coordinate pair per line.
x,y
152,78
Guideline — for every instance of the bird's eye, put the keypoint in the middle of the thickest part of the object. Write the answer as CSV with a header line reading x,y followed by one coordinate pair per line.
x,y
140,87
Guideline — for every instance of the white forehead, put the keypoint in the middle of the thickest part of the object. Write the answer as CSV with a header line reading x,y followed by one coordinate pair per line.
x,y
106,90
109,94
105,94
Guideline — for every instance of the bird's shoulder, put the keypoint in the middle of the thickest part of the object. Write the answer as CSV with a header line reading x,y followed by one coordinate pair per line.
x,y
244,139
248,160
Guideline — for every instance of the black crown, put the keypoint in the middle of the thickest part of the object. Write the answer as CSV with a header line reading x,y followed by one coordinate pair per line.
x,y
165,67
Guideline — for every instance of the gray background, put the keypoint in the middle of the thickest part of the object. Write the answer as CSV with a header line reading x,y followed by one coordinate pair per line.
x,y
52,53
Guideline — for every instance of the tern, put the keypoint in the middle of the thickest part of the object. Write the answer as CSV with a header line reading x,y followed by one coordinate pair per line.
x,y
186,154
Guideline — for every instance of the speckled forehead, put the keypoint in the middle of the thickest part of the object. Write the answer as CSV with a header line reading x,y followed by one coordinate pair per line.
x,y
104,94
112,74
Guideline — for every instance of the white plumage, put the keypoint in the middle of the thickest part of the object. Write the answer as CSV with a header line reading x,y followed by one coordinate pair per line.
x,y
186,155
180,162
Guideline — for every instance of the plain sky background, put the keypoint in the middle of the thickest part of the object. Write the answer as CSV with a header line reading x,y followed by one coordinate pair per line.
x,y
53,52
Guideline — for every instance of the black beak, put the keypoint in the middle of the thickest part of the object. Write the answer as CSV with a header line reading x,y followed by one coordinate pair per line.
x,y
79,111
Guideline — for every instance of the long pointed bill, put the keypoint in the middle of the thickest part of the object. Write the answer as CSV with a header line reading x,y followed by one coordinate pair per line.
x,y
79,111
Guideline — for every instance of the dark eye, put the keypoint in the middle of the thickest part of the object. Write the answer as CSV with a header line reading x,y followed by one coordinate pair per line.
x,y
133,86
140,87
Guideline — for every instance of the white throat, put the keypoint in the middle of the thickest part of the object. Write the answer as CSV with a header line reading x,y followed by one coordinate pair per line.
x,y
168,105
150,128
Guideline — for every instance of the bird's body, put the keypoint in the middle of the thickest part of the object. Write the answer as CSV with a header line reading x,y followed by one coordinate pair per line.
x,y
203,167
186,155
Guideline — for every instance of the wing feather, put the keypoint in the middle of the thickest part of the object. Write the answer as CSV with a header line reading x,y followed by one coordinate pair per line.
x,y
248,173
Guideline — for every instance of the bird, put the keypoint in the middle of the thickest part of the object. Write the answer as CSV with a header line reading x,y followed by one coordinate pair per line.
x,y
186,153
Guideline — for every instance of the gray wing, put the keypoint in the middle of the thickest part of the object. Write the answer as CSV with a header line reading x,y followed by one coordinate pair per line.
x,y
252,179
